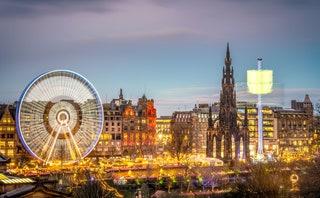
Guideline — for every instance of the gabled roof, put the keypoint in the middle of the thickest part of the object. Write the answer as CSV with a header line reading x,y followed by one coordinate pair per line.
x,y
10,108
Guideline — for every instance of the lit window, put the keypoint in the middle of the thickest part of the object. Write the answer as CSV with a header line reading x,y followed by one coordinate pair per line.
x,y
10,144
10,152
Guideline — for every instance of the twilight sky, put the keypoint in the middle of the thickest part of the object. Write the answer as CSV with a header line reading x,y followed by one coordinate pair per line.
x,y
171,50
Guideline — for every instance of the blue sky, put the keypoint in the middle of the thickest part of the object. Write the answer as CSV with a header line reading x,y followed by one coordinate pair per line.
x,y
171,50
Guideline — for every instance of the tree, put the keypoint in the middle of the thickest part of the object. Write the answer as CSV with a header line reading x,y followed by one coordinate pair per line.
x,y
309,179
89,187
262,180
92,185
145,191
181,141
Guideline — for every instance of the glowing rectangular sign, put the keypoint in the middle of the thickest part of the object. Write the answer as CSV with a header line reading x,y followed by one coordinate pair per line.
x,y
259,81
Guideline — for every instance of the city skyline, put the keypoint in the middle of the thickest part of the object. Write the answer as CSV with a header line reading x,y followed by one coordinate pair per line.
x,y
172,51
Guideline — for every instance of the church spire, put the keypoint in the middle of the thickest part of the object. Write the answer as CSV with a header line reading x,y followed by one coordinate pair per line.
x,y
121,95
227,59
227,70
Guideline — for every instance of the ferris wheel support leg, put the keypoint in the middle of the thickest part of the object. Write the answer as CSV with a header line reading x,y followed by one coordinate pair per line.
x,y
74,143
45,147
53,145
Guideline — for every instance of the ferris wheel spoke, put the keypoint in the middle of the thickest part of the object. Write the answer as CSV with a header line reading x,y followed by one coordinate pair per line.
x,y
70,148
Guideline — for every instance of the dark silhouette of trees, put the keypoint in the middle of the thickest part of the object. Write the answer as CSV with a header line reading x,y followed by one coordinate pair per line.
x,y
89,187
309,179
181,141
262,180
92,185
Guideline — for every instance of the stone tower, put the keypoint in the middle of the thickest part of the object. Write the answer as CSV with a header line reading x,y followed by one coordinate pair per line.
x,y
228,111
223,134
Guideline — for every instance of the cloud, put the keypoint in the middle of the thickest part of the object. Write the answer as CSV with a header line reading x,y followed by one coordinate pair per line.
x,y
169,32
184,99
35,8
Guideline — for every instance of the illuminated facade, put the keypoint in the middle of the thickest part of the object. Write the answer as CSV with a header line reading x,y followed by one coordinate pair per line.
x,y
8,132
10,146
163,130
195,125
269,129
182,134
139,128
295,128
111,136
200,127
316,141
129,130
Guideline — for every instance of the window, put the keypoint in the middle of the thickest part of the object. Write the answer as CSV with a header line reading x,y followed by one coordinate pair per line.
x,y
10,152
10,144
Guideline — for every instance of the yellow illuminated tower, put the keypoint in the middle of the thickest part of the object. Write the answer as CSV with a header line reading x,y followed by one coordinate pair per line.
x,y
259,82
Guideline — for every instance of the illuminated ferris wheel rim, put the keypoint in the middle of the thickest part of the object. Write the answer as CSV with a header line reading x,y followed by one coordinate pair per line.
x,y
70,74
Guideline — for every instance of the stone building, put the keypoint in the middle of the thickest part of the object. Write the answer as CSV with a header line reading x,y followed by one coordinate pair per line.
x,y
194,125
139,128
10,145
182,134
269,127
110,141
224,135
295,128
163,130
129,130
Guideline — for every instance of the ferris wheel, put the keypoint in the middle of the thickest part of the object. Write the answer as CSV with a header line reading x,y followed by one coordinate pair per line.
x,y
59,117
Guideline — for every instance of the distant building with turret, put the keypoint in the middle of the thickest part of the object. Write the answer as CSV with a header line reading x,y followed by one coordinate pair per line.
x,y
295,128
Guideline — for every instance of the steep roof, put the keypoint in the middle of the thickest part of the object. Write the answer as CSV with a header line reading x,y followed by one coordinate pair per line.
x,y
307,99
